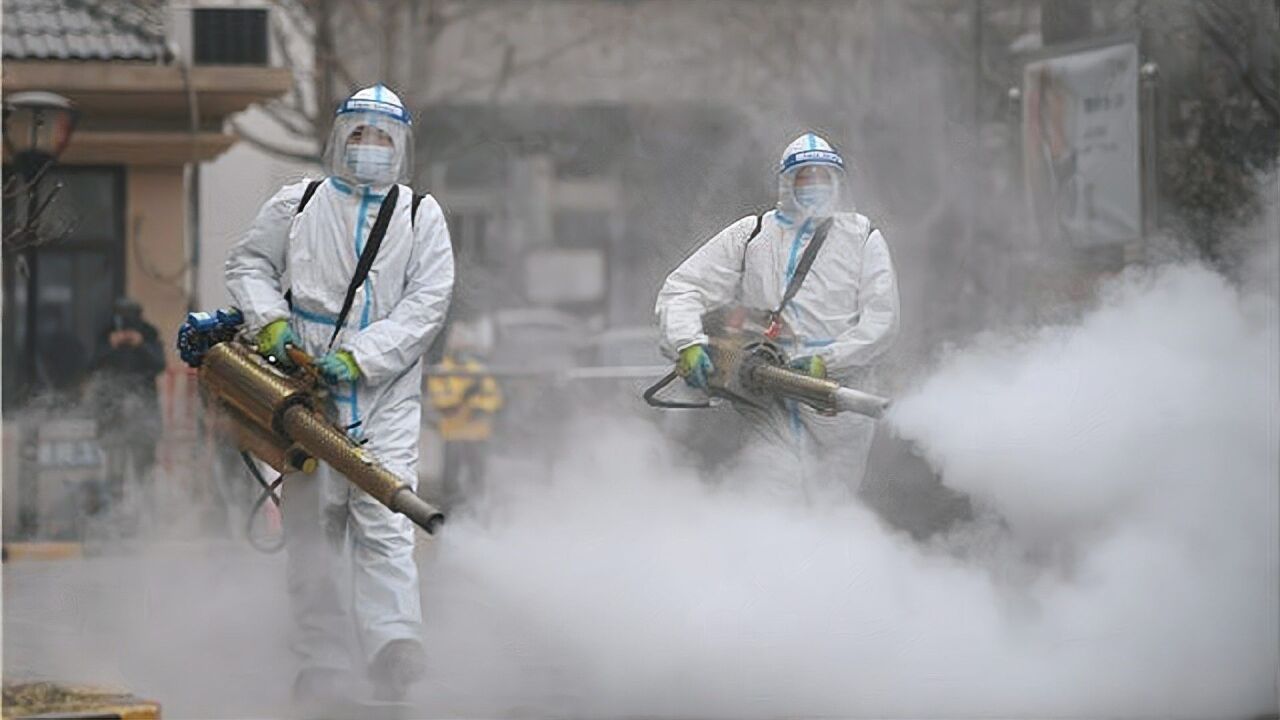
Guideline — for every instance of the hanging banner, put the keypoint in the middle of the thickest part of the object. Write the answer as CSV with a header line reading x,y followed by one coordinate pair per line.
x,y
1081,146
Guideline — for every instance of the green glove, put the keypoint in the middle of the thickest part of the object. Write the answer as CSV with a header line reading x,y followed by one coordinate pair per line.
x,y
811,365
695,365
338,367
273,338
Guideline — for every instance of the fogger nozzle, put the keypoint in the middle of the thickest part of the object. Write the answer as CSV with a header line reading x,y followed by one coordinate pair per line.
x,y
406,502
848,399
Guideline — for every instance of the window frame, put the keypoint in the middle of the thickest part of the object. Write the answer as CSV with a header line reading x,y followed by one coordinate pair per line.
x,y
18,387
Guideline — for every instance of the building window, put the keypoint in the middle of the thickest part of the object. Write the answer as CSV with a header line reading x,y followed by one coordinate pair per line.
x,y
229,36
79,274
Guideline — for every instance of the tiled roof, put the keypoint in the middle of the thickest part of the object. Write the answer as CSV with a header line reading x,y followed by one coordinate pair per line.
x,y
85,30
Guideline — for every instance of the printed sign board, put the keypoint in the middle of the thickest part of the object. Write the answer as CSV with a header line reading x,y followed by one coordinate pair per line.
x,y
1080,137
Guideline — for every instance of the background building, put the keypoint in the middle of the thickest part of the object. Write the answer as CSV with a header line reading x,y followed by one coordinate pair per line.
x,y
582,149
150,112
154,84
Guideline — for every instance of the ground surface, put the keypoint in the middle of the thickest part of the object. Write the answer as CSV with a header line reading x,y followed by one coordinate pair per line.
x,y
202,627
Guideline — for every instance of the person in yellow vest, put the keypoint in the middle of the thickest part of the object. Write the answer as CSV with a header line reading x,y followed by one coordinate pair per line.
x,y
466,404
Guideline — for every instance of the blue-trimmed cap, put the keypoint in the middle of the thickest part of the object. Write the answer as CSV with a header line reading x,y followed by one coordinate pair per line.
x,y
809,149
377,99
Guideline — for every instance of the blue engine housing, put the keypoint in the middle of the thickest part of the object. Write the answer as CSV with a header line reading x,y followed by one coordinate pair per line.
x,y
203,330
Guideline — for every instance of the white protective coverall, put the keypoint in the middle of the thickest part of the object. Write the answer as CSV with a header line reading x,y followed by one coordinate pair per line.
x,y
395,315
846,312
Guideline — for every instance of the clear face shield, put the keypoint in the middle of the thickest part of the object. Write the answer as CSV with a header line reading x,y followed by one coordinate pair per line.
x,y
810,190
370,148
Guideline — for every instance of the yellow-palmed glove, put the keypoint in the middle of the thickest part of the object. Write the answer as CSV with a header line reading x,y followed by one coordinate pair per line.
x,y
695,366
273,338
811,365
338,367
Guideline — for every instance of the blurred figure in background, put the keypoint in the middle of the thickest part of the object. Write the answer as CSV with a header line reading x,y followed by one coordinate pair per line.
x,y
123,395
466,404
842,317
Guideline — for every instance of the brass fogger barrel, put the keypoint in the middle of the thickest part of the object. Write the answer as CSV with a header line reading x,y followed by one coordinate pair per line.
x,y
236,376
275,404
821,393
305,427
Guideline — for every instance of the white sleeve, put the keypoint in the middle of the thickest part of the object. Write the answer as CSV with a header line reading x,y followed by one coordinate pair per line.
x,y
707,280
877,312
256,264
393,344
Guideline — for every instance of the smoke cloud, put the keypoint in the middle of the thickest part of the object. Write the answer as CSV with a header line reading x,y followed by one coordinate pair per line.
x,y
1124,561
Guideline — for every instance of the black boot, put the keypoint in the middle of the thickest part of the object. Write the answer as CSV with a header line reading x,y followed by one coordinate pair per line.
x,y
397,666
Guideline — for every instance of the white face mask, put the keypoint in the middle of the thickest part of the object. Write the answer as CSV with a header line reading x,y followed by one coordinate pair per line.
x,y
371,163
815,196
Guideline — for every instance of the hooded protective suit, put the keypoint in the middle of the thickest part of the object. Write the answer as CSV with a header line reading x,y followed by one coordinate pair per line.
x,y
395,315
846,312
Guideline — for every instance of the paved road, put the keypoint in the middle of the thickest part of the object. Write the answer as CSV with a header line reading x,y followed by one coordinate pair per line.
x,y
203,628
194,626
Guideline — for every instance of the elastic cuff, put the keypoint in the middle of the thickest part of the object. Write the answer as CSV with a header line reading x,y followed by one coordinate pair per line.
x,y
267,320
355,357
701,340
346,358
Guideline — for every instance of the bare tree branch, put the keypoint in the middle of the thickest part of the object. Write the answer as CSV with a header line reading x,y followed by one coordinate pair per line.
x,y
323,61
510,70
298,96
273,148
343,74
1229,47
299,14
284,116
469,11
292,114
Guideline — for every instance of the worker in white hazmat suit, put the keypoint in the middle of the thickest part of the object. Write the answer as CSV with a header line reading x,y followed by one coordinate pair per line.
x,y
306,242
842,318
